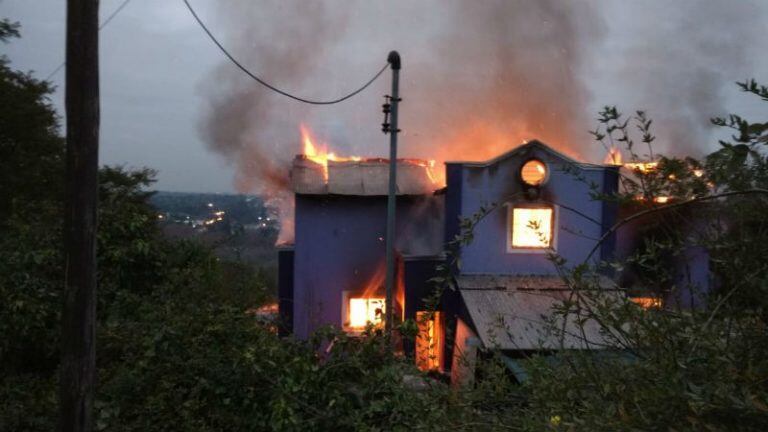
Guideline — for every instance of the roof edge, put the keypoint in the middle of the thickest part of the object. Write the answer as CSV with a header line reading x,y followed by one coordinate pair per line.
x,y
530,144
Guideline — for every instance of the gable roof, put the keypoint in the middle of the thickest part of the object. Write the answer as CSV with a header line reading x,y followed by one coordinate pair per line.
x,y
530,145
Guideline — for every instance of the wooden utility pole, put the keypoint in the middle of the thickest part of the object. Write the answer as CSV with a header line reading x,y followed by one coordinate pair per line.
x,y
78,350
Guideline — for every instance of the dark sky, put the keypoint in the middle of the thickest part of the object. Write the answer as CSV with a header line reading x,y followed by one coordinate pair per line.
x,y
158,69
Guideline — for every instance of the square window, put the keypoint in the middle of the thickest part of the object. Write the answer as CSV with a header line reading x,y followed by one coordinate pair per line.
x,y
531,227
360,311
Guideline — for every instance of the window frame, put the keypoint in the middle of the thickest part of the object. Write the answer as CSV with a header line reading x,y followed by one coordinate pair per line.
x,y
509,222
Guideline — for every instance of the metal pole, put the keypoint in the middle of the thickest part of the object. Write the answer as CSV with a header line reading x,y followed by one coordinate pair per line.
x,y
394,61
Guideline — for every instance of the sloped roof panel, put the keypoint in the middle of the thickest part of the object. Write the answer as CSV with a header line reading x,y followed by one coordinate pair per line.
x,y
511,313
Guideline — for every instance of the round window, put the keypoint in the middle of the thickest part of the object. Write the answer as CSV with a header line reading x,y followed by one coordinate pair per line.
x,y
533,172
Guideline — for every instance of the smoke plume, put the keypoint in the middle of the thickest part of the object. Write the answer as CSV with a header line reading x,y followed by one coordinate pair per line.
x,y
679,60
478,78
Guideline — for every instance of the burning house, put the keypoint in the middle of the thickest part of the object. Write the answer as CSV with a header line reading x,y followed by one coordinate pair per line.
x,y
333,273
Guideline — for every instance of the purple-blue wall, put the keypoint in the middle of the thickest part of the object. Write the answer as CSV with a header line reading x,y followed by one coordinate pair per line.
x,y
689,269
580,219
339,246
285,290
692,278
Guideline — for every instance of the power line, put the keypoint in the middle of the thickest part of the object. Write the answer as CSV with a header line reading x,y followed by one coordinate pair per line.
x,y
266,84
114,14
104,24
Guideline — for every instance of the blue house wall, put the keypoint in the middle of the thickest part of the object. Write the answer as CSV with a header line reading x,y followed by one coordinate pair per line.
x,y
339,246
580,220
285,290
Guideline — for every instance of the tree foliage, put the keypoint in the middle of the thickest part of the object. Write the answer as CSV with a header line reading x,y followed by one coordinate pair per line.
x,y
681,368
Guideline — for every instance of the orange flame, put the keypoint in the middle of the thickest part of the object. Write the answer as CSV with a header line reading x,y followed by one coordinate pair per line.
x,y
368,307
647,302
319,154
365,310
613,157
643,167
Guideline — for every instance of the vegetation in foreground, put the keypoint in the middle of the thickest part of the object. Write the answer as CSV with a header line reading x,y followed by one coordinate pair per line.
x,y
179,349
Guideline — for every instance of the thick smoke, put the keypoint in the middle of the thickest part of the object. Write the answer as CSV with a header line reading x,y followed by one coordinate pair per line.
x,y
252,128
249,126
502,72
478,78
679,60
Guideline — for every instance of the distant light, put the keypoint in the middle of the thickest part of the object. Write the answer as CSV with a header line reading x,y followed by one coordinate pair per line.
x,y
210,204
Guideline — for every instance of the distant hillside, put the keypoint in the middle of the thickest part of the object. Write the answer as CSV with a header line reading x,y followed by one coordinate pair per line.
x,y
245,209
238,227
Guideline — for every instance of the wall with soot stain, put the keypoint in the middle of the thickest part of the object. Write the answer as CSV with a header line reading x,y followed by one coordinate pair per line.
x,y
580,220
339,246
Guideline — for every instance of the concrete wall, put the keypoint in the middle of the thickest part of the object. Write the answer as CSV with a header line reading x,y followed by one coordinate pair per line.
x,y
339,246
580,219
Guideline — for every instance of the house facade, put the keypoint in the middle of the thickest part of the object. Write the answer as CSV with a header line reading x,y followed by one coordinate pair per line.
x,y
543,201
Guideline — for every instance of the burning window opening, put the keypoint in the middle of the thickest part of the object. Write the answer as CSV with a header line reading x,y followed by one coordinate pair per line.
x,y
530,227
429,343
533,172
362,311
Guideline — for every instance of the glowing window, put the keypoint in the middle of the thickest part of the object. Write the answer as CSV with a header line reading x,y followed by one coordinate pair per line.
x,y
533,172
531,227
363,311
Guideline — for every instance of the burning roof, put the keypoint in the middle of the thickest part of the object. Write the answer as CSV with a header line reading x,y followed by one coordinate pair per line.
x,y
360,177
319,172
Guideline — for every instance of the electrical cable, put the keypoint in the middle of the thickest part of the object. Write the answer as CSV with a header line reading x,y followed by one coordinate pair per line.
x,y
266,84
104,24
114,14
